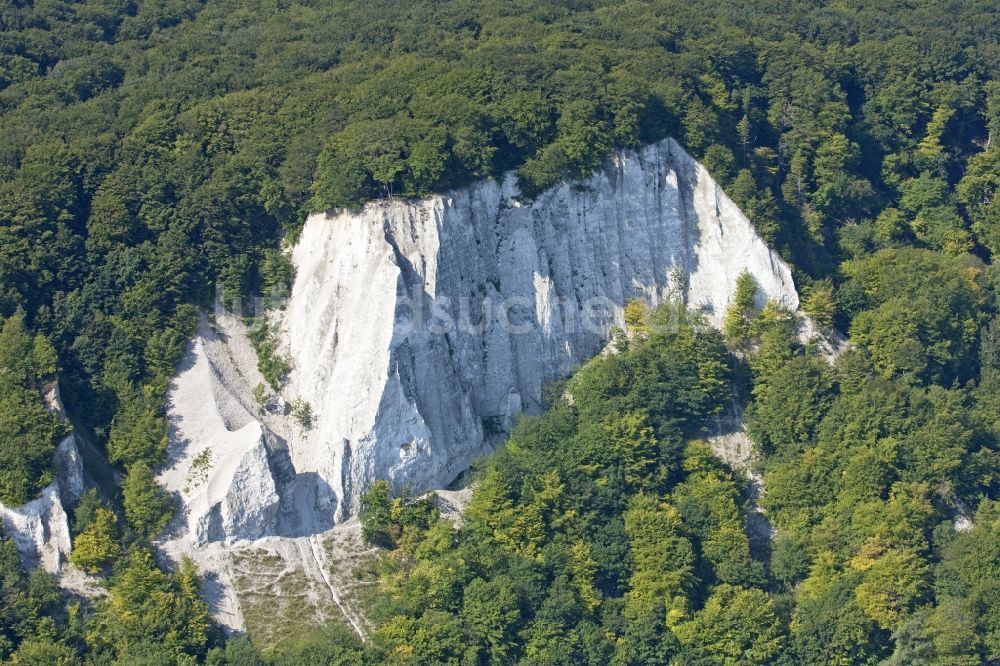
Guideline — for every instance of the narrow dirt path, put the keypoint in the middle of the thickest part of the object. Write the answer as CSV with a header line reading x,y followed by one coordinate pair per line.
x,y
232,599
319,560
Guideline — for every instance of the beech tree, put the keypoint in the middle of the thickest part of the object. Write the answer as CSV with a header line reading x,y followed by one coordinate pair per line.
x,y
736,626
148,507
740,312
138,434
97,546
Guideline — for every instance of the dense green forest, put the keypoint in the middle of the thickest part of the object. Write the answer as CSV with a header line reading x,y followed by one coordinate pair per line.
x,y
605,533
153,149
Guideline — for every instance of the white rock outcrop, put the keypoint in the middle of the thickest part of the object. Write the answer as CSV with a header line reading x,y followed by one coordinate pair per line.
x,y
418,329
218,454
40,528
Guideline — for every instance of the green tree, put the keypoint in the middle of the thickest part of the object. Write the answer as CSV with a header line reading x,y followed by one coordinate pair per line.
x,y
376,523
663,559
42,652
720,162
740,311
85,512
830,628
896,580
97,545
148,507
820,303
952,631
632,441
966,582
977,191
709,502
332,644
737,626
147,607
919,312
490,614
138,434
28,431
789,405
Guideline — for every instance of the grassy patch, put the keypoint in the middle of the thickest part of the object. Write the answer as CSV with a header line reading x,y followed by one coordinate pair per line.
x,y
271,364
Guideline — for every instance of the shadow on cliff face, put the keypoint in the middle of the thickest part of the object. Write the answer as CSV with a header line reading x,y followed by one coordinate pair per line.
x,y
687,175
648,198
177,449
307,501
517,294
215,593
305,507
177,445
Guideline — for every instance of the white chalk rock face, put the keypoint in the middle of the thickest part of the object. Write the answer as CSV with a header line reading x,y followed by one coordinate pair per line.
x,y
418,329
217,453
240,500
40,528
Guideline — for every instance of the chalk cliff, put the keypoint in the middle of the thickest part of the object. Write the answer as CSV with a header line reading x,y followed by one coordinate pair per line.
x,y
40,528
406,375
417,330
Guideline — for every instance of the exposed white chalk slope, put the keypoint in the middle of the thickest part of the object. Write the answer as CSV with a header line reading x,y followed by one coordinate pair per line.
x,y
40,528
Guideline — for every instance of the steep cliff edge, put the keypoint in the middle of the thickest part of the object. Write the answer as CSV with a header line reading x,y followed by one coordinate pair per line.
x,y
416,331
419,329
